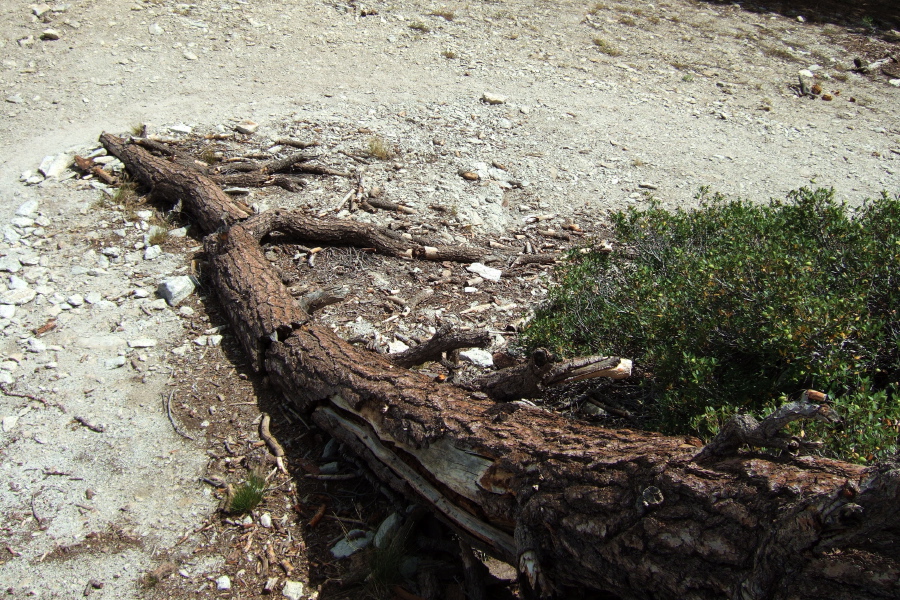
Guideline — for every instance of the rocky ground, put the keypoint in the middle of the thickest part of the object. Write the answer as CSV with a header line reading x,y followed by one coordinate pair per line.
x,y
510,126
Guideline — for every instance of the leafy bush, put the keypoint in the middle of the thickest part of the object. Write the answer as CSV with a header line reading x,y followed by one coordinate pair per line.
x,y
735,306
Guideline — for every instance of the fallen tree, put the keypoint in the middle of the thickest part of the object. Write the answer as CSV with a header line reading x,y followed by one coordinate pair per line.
x,y
635,513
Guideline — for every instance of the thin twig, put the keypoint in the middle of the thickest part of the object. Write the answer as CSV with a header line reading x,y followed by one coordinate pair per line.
x,y
91,426
37,518
172,420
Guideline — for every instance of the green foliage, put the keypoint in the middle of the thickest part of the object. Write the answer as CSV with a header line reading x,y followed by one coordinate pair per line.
x,y
734,306
248,495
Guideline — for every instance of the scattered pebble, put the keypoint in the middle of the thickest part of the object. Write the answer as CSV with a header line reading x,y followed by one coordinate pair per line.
x,y
175,290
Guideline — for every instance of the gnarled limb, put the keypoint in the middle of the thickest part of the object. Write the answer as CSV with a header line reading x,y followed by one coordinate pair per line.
x,y
743,430
444,340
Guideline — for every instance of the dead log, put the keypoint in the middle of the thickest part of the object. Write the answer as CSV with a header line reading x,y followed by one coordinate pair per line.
x,y
569,504
201,198
445,340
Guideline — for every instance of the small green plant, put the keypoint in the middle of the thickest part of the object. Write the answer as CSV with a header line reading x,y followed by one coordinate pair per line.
x,y
597,8
869,23
444,13
627,20
248,495
737,306
159,235
420,26
605,47
449,54
385,564
687,77
778,52
138,129
209,155
380,149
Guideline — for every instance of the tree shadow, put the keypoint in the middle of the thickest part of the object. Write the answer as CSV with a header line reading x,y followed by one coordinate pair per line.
x,y
872,17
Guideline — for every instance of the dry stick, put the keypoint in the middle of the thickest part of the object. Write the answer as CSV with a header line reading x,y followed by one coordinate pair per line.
x,y
37,518
172,419
386,205
89,425
282,164
274,447
294,143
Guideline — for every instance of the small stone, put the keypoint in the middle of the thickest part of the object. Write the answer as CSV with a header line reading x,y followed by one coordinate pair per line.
x,y
492,98
386,530
353,542
181,128
158,304
265,520
54,166
201,341
648,186
155,29
39,10
489,273
331,468
50,34
27,209
93,297
223,583
152,252
470,290
10,264
175,289
189,55
142,343
10,422
186,311
478,357
178,233
505,124
894,82
36,346
15,99
75,300
140,293
292,590
7,311
396,346
246,127
17,297
115,363
214,340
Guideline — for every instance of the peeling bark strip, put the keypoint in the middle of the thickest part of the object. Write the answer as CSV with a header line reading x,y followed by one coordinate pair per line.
x,y
630,512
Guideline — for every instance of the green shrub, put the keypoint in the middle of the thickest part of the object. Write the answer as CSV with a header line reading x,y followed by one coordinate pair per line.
x,y
734,306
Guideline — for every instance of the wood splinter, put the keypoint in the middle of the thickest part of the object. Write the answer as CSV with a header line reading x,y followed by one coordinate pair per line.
x,y
274,447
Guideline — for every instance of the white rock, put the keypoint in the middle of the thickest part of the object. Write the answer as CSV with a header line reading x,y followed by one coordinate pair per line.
x,y
186,311
143,215
386,530
396,346
175,289
181,128
115,363
7,311
17,283
292,590
142,343
27,209
141,293
9,422
214,340
478,357
178,233
22,222
201,341
104,305
6,377
50,34
188,55
75,300
470,290
894,82
18,297
152,252
158,304
155,29
113,251
37,346
489,273
53,166
246,127
93,297
492,98
355,541
10,264
265,520
223,583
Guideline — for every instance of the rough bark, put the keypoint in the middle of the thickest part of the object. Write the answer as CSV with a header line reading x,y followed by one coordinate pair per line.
x,y
201,198
631,512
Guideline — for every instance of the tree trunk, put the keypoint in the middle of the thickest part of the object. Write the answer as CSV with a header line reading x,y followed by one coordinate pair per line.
x,y
569,504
